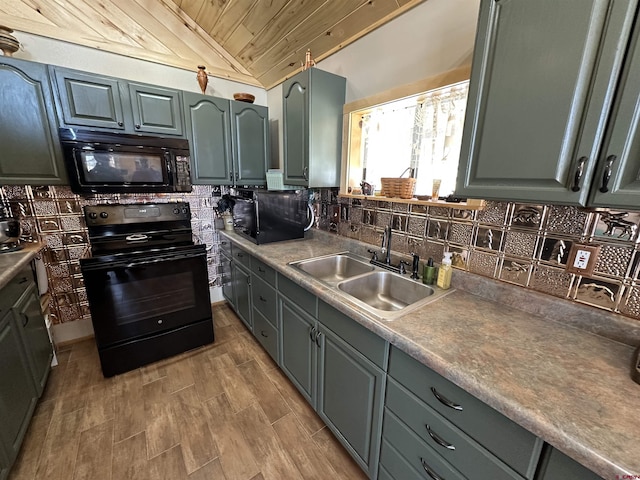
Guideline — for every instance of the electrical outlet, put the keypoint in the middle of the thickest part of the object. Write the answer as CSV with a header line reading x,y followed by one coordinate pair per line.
x,y
582,259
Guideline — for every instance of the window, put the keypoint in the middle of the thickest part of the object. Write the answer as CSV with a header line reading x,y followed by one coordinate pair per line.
x,y
419,135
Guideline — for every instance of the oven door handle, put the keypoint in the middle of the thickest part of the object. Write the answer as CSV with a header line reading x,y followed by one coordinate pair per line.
x,y
137,237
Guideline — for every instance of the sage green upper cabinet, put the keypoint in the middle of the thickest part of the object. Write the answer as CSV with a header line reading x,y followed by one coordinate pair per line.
x,y
89,100
312,128
250,134
209,134
156,109
229,140
31,152
98,101
542,84
617,180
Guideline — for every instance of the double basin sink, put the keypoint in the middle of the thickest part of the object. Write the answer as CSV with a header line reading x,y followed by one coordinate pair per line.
x,y
382,293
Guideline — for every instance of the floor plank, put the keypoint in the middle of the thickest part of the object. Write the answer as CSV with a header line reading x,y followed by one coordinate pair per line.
x,y
129,414
95,452
130,458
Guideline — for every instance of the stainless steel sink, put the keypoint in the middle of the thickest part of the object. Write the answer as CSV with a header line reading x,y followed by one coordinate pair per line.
x,y
383,294
386,291
334,268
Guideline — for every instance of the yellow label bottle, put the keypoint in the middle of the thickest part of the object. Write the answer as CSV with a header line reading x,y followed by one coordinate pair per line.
x,y
444,272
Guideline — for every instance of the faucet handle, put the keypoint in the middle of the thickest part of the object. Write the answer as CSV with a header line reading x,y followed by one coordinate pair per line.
x,y
374,254
402,266
416,266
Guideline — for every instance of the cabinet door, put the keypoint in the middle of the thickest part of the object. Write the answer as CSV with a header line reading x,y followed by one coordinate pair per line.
x,y
298,355
539,97
227,280
209,134
250,133
31,152
28,315
89,100
617,183
557,466
350,392
155,109
295,121
17,392
242,292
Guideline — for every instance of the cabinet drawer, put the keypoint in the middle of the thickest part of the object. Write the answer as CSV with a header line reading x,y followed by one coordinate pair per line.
x,y
393,466
262,270
508,441
422,458
266,334
453,445
365,341
298,295
383,474
225,247
264,299
242,257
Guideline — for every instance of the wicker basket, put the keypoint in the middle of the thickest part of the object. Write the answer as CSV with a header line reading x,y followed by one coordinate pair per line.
x,y
398,187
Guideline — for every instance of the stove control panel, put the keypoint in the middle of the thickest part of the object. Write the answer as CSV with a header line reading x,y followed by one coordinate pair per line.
x,y
117,214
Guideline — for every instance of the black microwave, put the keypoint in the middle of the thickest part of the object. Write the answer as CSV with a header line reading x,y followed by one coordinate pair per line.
x,y
105,162
270,216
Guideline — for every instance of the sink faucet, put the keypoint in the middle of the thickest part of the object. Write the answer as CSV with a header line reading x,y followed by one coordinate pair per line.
x,y
386,244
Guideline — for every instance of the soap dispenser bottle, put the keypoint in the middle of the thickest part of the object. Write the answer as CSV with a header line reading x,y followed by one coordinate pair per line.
x,y
444,272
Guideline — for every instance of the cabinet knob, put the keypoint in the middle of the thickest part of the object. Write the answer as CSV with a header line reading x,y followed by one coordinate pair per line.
x,y
606,175
305,173
137,127
120,124
578,174
263,333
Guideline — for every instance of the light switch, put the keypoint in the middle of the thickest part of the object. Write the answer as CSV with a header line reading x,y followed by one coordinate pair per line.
x,y
582,259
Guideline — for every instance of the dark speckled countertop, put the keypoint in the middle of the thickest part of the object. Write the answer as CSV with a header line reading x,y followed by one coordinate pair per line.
x,y
12,262
568,385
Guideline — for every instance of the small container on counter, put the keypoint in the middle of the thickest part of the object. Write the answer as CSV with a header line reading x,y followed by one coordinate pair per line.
x,y
429,272
444,272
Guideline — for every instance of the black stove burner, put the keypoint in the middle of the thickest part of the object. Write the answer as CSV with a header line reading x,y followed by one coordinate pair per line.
x,y
10,247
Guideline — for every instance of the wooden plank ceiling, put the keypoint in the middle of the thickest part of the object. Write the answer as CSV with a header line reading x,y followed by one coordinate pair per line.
x,y
258,42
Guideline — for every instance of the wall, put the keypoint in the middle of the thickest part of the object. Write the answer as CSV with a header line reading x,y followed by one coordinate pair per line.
x,y
434,37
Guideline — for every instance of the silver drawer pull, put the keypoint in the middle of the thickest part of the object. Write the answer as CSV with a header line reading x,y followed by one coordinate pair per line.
x,y
262,332
445,401
429,470
439,440
262,299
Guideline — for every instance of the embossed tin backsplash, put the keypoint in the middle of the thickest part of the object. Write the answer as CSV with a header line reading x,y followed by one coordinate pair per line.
x,y
526,245
53,216
523,244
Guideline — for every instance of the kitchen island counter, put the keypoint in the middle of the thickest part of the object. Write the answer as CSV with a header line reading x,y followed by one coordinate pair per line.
x,y
567,385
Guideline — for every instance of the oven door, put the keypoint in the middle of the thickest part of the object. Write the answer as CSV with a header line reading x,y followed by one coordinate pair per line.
x,y
145,293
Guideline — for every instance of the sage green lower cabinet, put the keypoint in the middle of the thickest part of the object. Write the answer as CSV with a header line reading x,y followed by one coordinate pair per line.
x,y
227,280
31,152
349,398
342,383
242,292
28,316
298,350
557,466
468,435
18,395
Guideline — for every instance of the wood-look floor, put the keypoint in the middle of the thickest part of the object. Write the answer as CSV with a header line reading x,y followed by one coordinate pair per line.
x,y
222,412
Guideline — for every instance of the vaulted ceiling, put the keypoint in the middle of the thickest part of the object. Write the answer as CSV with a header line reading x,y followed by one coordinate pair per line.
x,y
258,42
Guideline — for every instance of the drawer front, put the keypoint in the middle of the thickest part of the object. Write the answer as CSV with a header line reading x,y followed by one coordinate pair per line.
x,y
394,466
453,445
298,295
242,257
507,440
418,454
264,299
225,247
264,271
266,334
365,341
